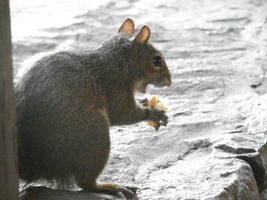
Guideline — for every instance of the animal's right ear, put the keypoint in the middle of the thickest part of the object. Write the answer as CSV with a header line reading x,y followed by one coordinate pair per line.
x,y
127,27
143,35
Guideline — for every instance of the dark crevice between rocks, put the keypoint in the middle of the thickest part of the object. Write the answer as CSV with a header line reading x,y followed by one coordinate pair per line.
x,y
257,159
255,162
238,150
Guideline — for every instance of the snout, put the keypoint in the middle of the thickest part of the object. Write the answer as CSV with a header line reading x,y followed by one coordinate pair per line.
x,y
162,81
167,81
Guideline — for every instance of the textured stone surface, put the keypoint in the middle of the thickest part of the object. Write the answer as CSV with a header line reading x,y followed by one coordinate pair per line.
x,y
201,177
248,148
216,52
42,193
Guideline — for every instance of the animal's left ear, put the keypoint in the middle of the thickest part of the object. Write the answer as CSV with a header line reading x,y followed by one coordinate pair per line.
x,y
143,35
127,27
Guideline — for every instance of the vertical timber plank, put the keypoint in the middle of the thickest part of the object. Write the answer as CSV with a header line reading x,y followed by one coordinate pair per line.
x,y
8,140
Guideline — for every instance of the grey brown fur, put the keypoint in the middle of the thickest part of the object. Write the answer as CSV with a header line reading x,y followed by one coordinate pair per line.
x,y
67,101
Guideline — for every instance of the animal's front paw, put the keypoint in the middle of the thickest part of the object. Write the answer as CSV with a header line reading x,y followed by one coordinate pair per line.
x,y
158,117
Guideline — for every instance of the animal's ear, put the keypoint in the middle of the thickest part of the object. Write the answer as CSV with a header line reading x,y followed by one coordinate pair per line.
x,y
127,27
143,35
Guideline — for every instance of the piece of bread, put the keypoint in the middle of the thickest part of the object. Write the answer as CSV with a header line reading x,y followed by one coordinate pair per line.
x,y
155,103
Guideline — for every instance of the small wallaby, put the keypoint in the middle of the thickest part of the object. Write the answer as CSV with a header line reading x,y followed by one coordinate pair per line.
x,y
67,101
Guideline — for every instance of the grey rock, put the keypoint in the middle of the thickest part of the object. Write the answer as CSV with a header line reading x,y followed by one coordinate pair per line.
x,y
263,153
202,177
248,148
44,193
255,162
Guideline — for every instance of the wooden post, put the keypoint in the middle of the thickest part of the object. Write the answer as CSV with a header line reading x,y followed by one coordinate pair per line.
x,y
8,135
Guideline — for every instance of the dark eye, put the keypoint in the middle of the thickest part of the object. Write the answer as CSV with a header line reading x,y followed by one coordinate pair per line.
x,y
157,61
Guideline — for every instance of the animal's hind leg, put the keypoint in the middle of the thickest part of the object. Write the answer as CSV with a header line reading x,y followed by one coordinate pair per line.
x,y
110,188
92,148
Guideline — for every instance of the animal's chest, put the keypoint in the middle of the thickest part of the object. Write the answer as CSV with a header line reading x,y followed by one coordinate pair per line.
x,y
119,102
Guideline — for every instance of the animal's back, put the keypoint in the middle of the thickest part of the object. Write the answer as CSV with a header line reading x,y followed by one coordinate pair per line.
x,y
54,93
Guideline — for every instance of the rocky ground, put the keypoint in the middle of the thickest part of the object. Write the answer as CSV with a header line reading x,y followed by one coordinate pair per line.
x,y
215,145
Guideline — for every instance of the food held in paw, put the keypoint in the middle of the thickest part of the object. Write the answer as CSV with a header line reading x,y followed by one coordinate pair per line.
x,y
156,104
